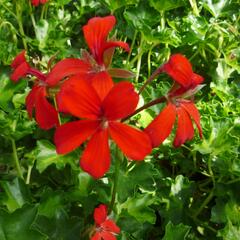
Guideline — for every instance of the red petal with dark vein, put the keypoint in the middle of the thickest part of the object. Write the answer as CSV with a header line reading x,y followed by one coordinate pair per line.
x,y
100,214
160,128
96,157
79,98
185,129
193,112
20,71
179,68
31,99
66,68
102,83
46,114
19,59
121,101
110,226
134,143
96,32
71,135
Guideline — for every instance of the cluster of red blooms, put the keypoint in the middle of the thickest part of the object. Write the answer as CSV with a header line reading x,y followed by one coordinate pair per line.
x,y
35,3
85,89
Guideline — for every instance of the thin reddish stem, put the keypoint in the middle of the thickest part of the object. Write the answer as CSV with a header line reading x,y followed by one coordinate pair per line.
x,y
154,102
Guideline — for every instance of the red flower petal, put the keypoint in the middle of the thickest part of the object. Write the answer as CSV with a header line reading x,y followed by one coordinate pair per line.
x,y
107,236
180,69
193,112
66,68
121,101
96,157
79,98
134,143
96,32
19,59
20,71
110,226
96,236
185,129
115,44
102,83
196,80
71,135
100,214
160,128
31,99
46,114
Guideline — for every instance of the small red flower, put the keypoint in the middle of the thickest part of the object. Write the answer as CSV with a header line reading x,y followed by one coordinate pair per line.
x,y
96,32
180,69
106,229
100,120
37,2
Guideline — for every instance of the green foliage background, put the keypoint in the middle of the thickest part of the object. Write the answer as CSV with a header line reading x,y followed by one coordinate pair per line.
x,y
187,193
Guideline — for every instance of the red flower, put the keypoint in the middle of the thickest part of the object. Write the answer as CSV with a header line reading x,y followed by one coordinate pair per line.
x,y
101,120
106,229
96,32
37,2
97,73
180,69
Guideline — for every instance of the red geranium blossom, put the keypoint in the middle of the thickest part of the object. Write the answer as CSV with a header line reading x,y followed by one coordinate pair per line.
x,y
100,120
106,229
180,69
97,73
37,2
45,113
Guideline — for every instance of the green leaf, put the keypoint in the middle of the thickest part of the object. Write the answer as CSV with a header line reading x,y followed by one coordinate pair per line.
x,y
165,5
16,194
176,232
18,225
7,90
230,232
142,175
115,4
138,207
47,155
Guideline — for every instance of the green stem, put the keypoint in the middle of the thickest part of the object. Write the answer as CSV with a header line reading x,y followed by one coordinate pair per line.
x,y
29,174
153,76
139,58
132,45
16,160
194,6
10,11
204,204
56,107
116,175
19,20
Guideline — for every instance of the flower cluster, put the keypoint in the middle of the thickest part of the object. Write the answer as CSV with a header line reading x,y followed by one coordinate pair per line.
x,y
84,88
35,3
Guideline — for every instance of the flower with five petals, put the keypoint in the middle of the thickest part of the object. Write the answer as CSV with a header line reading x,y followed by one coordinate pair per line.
x,y
100,121
106,229
186,82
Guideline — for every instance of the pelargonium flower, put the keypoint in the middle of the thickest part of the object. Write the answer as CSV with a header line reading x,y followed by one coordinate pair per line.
x,y
106,229
100,121
180,69
45,114
37,2
98,73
